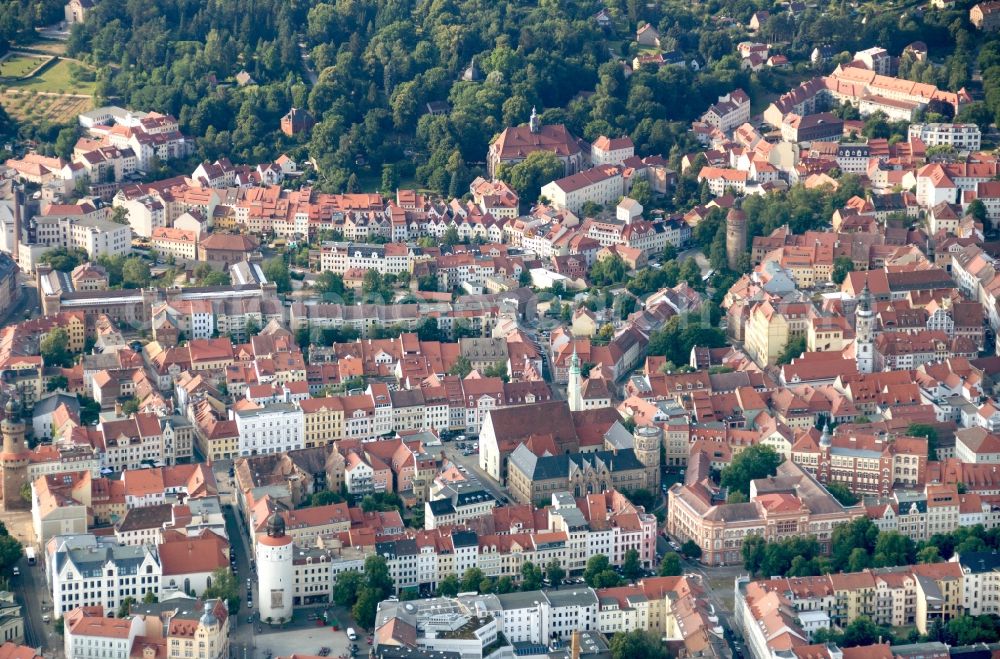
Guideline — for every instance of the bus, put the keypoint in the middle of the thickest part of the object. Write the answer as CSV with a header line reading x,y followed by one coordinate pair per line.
x,y
30,553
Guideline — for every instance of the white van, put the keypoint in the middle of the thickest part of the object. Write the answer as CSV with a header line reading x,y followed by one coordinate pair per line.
x,y
351,634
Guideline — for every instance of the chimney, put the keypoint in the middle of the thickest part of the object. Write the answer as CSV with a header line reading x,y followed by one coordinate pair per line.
x,y
574,648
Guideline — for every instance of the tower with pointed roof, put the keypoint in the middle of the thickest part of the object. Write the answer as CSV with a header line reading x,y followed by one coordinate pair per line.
x,y
574,387
275,571
534,123
864,332
14,459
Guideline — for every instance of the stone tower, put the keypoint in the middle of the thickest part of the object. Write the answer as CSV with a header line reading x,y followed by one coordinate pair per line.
x,y
864,332
736,237
647,441
574,387
534,123
14,459
275,572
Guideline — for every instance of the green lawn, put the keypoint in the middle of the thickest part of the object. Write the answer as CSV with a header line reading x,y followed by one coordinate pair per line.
x,y
56,78
17,66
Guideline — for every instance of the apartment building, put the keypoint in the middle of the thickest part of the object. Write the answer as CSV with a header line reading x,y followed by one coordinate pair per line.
x,y
178,243
179,628
387,259
783,613
90,232
87,570
964,137
601,185
272,429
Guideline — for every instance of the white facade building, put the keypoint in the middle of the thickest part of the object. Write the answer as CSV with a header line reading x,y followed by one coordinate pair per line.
x,y
964,137
84,570
602,185
272,429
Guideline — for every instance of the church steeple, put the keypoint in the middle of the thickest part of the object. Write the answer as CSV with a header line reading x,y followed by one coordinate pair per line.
x,y
864,332
534,123
574,386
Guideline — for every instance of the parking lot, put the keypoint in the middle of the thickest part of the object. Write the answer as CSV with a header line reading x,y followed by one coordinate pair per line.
x,y
304,640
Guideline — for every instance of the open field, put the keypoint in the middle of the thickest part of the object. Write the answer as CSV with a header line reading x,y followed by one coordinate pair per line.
x,y
16,66
40,45
55,78
33,107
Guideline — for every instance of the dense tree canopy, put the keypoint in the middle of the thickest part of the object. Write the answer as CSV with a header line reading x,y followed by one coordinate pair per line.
x,y
758,461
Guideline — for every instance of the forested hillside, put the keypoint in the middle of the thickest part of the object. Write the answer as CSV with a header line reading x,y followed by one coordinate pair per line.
x,y
379,62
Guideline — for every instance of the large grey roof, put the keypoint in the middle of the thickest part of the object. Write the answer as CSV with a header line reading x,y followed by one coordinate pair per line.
x,y
90,554
979,562
48,404
559,466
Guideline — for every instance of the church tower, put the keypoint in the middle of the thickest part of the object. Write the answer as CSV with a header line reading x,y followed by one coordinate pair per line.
x,y
864,332
14,459
825,441
647,441
574,388
534,123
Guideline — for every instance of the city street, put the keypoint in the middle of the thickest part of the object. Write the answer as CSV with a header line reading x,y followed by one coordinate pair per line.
x,y
36,602
242,631
471,464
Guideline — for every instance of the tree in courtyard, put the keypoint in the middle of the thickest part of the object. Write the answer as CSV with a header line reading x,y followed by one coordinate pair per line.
x,y
842,265
461,367
225,587
276,271
842,494
632,566
893,549
54,347
135,273
638,643
758,461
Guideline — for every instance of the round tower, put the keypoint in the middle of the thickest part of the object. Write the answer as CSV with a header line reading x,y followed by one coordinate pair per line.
x,y
14,459
646,444
275,572
736,237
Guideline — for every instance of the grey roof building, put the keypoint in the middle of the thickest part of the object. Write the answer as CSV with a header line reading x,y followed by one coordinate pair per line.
x,y
531,477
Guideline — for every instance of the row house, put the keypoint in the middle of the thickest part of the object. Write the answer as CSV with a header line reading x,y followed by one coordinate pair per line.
x,y
918,595
388,259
